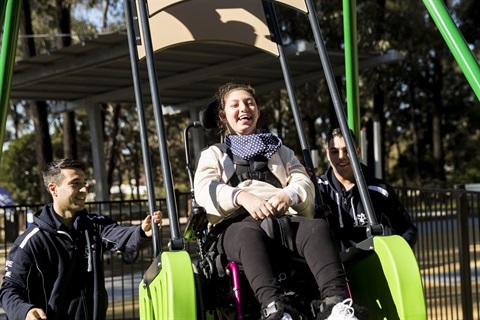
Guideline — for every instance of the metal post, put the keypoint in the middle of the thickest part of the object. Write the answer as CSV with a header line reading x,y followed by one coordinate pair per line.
x,y
464,252
11,10
276,37
176,241
98,154
351,64
377,149
364,146
374,228
132,41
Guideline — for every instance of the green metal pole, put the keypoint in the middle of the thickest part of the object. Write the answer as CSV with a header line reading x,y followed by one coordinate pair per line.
x,y
351,64
455,41
7,60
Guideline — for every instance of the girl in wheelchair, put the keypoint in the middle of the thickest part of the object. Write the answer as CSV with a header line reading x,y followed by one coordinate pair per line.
x,y
272,184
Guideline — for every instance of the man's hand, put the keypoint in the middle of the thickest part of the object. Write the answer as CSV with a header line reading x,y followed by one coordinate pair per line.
x,y
147,222
35,313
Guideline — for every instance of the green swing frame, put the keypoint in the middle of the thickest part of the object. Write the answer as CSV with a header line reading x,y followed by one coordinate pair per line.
x,y
168,289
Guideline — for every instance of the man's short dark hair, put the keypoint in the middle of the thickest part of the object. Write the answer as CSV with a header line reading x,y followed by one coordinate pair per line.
x,y
52,172
337,132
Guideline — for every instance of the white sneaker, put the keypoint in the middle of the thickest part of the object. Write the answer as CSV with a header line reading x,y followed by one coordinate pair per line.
x,y
343,311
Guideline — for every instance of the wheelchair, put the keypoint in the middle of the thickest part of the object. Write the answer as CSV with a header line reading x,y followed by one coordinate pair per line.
x,y
223,291
382,271
382,274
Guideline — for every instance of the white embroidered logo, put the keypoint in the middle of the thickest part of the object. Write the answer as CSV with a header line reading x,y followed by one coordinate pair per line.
x,y
8,265
362,219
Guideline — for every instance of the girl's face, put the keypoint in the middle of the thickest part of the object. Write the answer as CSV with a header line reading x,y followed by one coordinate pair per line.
x,y
241,113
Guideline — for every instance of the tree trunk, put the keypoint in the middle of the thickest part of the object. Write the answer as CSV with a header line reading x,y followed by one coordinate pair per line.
x,y
15,120
136,165
65,40
69,136
38,109
310,117
111,144
334,122
43,144
63,23
106,5
413,130
438,155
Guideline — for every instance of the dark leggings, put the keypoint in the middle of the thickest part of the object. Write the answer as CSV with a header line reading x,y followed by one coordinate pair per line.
x,y
246,243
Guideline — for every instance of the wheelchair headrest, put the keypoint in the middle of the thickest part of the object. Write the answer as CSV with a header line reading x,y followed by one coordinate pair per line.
x,y
208,115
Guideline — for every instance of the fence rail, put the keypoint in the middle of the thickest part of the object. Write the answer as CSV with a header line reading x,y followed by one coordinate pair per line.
x,y
448,248
447,251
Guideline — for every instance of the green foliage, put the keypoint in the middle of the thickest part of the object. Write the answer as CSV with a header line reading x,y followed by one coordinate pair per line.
x,y
405,96
402,95
467,12
19,170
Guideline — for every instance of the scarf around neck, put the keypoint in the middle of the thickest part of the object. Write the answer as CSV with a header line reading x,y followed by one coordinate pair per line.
x,y
262,143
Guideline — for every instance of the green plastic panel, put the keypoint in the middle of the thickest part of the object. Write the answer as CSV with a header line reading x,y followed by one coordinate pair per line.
x,y
388,282
171,294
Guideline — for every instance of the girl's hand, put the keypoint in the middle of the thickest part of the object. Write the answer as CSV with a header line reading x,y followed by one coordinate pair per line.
x,y
280,202
258,208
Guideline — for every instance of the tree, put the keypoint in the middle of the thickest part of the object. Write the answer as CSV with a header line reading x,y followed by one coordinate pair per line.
x,y
38,109
425,105
20,172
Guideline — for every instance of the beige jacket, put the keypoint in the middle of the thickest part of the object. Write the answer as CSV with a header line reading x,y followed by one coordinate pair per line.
x,y
215,168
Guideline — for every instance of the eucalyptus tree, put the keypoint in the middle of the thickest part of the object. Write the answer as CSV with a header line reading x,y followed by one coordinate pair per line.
x,y
426,98
45,26
414,99
38,109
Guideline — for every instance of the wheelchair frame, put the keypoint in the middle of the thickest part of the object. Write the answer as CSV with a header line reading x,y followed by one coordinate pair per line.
x,y
207,266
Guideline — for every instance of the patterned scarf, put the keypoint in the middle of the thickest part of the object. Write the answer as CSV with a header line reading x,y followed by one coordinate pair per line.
x,y
262,143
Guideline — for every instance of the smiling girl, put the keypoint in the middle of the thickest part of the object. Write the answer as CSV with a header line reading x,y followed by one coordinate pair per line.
x,y
252,178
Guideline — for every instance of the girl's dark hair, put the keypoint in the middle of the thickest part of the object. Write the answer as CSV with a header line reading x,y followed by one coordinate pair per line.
x,y
220,96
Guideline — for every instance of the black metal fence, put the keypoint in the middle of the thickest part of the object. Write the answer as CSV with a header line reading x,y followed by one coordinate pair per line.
x,y
447,251
123,272
448,248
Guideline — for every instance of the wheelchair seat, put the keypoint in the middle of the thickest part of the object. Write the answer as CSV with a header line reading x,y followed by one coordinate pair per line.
x,y
224,286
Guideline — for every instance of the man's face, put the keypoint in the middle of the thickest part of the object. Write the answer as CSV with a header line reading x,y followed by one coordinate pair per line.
x,y
71,193
339,158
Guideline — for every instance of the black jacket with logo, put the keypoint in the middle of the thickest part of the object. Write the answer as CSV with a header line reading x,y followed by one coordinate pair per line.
x,y
348,218
61,270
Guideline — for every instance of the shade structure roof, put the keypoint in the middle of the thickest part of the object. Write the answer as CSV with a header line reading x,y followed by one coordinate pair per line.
x,y
100,71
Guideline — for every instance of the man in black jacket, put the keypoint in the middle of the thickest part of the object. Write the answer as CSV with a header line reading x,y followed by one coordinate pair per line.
x,y
348,219
55,269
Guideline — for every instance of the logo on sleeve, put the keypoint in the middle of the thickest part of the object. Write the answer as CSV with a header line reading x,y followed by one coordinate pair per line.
x,y
8,265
